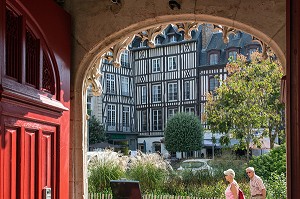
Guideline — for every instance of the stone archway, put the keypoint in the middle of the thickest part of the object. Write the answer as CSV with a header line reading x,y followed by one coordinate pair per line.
x,y
87,52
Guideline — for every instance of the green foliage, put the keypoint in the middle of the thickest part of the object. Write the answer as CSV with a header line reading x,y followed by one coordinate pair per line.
x,y
276,186
247,100
184,132
151,178
237,165
270,163
151,170
103,167
101,174
156,177
96,131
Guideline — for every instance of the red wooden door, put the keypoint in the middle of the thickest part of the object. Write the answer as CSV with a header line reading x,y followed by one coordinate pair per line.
x,y
29,158
34,99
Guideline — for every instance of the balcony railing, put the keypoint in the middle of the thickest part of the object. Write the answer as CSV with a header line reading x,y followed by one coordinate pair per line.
x,y
119,127
151,133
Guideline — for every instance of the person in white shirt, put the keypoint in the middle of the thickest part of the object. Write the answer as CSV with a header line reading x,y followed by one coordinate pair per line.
x,y
257,187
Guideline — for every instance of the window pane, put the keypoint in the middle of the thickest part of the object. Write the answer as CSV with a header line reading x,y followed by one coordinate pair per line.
x,y
187,90
125,86
232,55
156,65
172,91
213,59
172,63
156,93
144,95
110,83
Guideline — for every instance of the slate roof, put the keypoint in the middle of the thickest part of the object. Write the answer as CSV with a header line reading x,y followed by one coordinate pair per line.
x,y
170,30
241,40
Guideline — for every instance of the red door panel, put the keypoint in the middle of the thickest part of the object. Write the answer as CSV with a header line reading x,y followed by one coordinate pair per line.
x,y
47,160
10,163
28,164
29,159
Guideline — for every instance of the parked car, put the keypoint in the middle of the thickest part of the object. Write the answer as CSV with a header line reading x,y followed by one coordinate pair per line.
x,y
195,165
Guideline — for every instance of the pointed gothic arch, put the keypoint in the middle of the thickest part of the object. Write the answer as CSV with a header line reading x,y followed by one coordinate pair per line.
x,y
87,72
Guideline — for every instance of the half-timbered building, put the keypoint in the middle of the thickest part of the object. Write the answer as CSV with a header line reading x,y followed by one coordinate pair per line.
x,y
115,107
155,83
165,81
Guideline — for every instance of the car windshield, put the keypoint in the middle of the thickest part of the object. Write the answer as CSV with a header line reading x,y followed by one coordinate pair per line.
x,y
187,165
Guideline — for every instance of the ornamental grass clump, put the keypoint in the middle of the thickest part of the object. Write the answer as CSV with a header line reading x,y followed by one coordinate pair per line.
x,y
103,167
150,170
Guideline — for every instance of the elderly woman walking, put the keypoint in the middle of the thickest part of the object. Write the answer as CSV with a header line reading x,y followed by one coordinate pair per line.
x,y
233,188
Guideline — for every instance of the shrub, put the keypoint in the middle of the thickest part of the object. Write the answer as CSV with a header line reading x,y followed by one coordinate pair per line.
x,y
276,186
103,167
221,165
183,133
269,163
150,170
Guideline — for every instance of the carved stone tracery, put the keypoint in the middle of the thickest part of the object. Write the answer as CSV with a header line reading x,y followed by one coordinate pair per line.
x,y
264,47
150,35
114,53
93,78
226,32
187,28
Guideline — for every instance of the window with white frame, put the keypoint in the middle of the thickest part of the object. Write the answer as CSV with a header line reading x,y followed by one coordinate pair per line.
x,y
144,120
157,120
155,65
125,117
232,55
213,59
213,84
172,91
172,112
124,58
189,110
187,90
172,63
110,83
125,85
173,38
144,94
111,115
156,93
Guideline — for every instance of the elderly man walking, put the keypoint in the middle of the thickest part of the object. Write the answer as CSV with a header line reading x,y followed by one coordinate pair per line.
x,y
257,187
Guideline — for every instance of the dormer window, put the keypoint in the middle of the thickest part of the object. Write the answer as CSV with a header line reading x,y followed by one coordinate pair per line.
x,y
157,41
173,38
213,59
232,55
143,44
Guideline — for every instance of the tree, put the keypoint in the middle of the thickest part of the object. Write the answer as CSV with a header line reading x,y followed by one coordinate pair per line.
x,y
183,133
96,131
247,100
